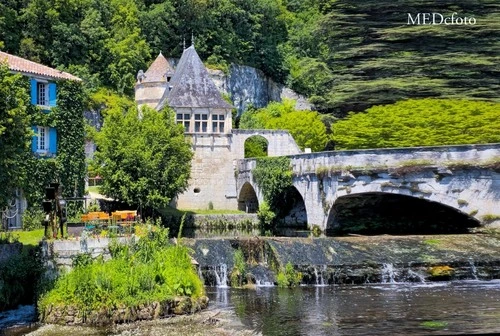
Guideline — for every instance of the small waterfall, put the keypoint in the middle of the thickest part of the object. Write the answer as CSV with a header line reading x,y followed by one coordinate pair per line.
x,y
221,276
200,274
412,275
263,283
473,269
263,276
388,274
320,280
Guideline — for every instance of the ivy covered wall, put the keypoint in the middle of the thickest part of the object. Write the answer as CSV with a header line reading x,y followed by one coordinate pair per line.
x,y
68,166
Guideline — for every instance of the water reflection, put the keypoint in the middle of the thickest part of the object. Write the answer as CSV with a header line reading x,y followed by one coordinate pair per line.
x,y
444,308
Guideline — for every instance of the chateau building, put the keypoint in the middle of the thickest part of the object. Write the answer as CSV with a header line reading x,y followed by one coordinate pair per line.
x,y
207,120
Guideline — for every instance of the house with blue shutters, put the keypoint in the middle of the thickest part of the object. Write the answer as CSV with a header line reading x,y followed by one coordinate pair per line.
x,y
43,92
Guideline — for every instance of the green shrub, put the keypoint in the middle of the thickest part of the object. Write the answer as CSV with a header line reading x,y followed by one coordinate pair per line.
x,y
32,219
8,237
288,277
238,274
149,270
265,214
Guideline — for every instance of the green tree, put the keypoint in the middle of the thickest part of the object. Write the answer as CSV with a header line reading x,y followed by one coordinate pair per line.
x,y
15,134
143,157
306,127
255,146
424,122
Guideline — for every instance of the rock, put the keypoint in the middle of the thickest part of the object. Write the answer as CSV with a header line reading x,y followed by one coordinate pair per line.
x,y
183,306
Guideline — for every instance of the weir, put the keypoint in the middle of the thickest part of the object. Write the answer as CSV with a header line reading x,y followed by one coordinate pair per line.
x,y
351,260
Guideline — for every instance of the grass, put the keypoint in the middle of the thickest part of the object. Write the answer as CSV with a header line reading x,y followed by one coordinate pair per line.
x,y
29,237
94,189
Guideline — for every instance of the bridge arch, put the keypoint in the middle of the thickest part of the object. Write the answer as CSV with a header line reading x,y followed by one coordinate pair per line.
x,y
291,208
256,146
371,213
247,199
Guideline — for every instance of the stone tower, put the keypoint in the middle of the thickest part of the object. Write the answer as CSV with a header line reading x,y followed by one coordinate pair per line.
x,y
152,84
207,120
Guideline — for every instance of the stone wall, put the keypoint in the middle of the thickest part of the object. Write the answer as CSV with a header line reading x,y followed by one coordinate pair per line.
x,y
222,220
59,254
214,165
71,315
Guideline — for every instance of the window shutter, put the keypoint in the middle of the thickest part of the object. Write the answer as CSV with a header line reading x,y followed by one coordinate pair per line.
x,y
34,92
34,139
52,94
52,140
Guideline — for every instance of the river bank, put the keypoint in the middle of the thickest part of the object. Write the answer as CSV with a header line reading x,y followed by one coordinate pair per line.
x,y
204,323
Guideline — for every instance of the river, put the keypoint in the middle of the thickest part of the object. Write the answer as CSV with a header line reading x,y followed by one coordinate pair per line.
x,y
439,308
462,307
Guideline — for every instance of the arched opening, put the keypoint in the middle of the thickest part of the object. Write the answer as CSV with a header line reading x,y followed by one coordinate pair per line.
x,y
384,213
290,209
256,146
247,200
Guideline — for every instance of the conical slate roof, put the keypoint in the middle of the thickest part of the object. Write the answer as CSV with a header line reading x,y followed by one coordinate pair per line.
x,y
192,85
159,70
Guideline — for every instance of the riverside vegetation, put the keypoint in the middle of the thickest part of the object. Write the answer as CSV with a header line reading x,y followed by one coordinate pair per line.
x,y
151,271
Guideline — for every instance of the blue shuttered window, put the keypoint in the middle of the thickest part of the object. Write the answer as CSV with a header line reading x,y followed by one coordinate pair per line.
x,y
52,141
34,91
43,94
52,94
34,140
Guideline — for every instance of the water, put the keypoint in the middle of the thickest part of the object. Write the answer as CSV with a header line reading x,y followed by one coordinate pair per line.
x,y
20,318
220,273
473,269
320,280
388,273
464,307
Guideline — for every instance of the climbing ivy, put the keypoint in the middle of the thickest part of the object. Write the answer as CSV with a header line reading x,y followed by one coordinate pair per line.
x,y
273,175
68,166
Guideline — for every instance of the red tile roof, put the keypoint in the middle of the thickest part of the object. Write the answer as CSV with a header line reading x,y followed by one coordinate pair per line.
x,y
19,64
159,70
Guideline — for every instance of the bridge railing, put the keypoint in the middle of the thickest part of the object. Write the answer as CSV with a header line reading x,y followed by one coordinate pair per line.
x,y
387,158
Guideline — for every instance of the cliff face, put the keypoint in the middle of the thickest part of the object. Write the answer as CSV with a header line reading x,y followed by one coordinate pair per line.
x,y
247,85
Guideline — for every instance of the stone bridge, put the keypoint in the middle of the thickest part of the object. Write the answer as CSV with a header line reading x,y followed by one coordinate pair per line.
x,y
463,178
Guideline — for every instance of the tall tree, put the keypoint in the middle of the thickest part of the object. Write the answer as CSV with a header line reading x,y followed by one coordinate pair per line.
x,y
143,156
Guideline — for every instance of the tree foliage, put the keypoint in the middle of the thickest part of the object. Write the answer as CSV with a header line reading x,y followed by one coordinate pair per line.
x,y
349,55
256,146
306,127
346,55
15,133
424,122
143,156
